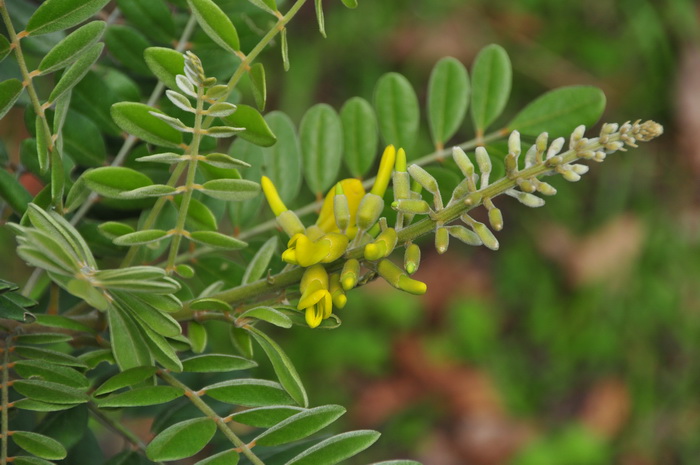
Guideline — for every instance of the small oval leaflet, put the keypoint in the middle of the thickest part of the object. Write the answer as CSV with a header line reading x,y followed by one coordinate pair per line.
x,y
301,425
265,417
141,397
39,445
231,189
181,440
336,448
256,129
72,47
10,91
124,379
72,76
216,239
321,137
136,118
165,63
448,99
249,392
216,363
491,81
269,315
227,457
56,15
360,136
216,24
398,112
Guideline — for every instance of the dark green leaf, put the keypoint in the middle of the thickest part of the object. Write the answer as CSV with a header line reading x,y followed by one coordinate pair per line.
x,y
265,417
360,135
95,357
76,71
112,181
216,24
259,264
127,45
43,138
128,345
301,425
56,15
141,237
284,369
197,334
48,391
213,363
141,397
321,137
58,321
559,111
135,118
181,440
124,379
397,109
269,315
26,460
242,341
158,321
155,190
36,406
258,84
10,91
39,445
448,99
4,47
51,372
162,350
72,47
14,193
153,18
77,195
228,457
208,303
283,160
165,63
234,190
256,129
48,355
336,449
249,392
11,310
491,81
83,141
42,338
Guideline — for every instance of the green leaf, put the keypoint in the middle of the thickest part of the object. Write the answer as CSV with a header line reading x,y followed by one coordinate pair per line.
x,y
216,24
39,445
491,81
259,264
97,356
208,303
158,321
77,195
76,71
448,99
269,315
319,17
128,345
560,111
124,379
301,425
284,369
141,237
256,129
42,147
248,392
9,309
168,158
83,141
155,190
10,91
242,341
350,3
14,193
360,135
112,181
336,449
215,363
72,47
181,440
197,334
199,216
162,350
128,45
26,460
234,190
59,321
265,417
4,47
165,64
283,160
141,397
153,18
397,109
223,161
51,372
57,15
42,338
48,355
135,118
49,391
321,137
258,84
216,239
36,406
227,457
164,303
57,227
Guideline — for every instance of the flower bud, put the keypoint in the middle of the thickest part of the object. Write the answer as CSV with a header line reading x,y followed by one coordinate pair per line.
x,y
411,258
463,234
290,223
511,164
568,174
531,156
400,280
337,293
341,209
402,185
526,185
368,212
386,167
382,246
555,147
273,198
350,274
496,219
576,136
579,169
353,191
526,199
425,179
546,189
484,162
514,144
482,231
442,240
463,162
414,207
541,143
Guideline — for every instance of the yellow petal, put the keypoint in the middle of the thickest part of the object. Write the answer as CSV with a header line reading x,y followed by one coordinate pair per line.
x,y
338,244
310,253
273,198
353,191
311,298
313,317
316,273
386,167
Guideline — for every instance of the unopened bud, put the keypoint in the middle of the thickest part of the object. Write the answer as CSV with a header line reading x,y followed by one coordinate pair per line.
x,y
290,223
483,232
402,185
341,209
546,189
576,136
555,147
569,174
463,234
599,156
400,280
463,162
369,210
337,293
580,169
414,207
350,274
424,178
463,188
531,156
526,199
484,162
526,185
496,219
382,246
386,167
514,144
411,258
442,240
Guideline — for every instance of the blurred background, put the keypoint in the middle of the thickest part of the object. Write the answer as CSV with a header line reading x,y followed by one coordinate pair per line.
x,y
574,343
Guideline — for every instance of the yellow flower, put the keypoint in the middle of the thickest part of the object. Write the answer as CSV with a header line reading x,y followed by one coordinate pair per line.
x,y
353,190
316,300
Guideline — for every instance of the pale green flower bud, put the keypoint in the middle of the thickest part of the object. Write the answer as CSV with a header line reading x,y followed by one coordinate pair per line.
x,y
369,210
526,199
414,207
400,280
463,162
484,162
341,208
463,234
496,219
442,240
555,147
350,274
411,258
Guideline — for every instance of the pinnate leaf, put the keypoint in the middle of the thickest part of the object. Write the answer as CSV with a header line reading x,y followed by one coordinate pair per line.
x,y
57,15
397,109
336,449
301,425
181,440
321,137
39,445
448,98
216,24
491,82
72,46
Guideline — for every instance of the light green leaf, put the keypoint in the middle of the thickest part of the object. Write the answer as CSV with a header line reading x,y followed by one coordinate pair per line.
x,y
216,239
216,24
215,363
49,391
57,15
128,345
72,47
48,355
153,18
10,91
112,181
76,71
199,216
4,47
83,141
42,147
181,440
448,99
321,137
165,64
168,158
283,160
301,425
259,264
208,303
560,111
136,118
155,190
228,457
43,338
284,369
350,3
265,417
59,321
124,379
269,315
128,45
141,397
336,449
267,5
397,109
223,161
319,17
234,190
256,129
26,460
491,81
197,334
114,229
242,341
14,193
258,85
360,135
248,392
39,445
158,321
60,230
51,372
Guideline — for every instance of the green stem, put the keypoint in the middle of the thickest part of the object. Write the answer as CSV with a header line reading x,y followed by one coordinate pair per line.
x,y
5,400
206,410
